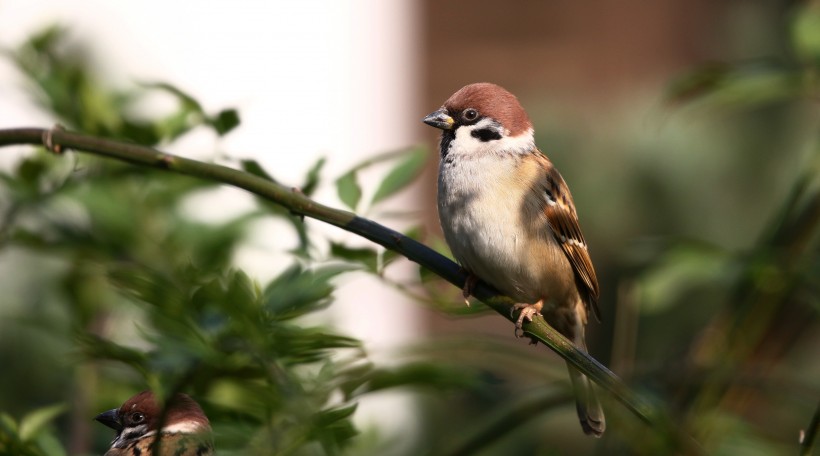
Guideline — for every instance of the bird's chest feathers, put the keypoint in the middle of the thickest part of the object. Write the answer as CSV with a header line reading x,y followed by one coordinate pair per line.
x,y
491,217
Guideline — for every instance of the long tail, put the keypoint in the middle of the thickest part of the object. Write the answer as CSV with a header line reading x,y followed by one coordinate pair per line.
x,y
590,412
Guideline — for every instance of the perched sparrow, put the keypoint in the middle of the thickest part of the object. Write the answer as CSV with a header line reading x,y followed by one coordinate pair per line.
x,y
509,220
185,429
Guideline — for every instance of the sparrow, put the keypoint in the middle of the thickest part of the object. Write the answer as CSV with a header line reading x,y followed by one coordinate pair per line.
x,y
182,427
509,220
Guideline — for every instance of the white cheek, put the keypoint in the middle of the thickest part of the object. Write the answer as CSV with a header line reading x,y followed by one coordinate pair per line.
x,y
467,144
184,427
466,141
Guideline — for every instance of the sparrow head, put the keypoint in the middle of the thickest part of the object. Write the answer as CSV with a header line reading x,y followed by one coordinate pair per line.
x,y
142,415
482,116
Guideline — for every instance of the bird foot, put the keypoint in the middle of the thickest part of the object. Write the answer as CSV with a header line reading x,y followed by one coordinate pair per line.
x,y
528,311
469,286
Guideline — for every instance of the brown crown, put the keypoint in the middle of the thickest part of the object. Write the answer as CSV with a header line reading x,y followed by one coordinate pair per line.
x,y
178,409
492,101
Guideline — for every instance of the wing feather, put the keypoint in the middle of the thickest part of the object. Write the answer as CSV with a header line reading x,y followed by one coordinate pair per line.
x,y
563,220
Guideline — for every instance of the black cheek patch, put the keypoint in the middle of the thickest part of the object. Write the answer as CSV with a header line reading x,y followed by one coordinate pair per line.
x,y
486,134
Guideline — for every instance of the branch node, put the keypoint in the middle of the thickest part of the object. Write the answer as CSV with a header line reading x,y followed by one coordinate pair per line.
x,y
165,160
301,216
48,140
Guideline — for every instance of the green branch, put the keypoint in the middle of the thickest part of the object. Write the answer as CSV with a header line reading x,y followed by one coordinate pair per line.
x,y
808,436
57,139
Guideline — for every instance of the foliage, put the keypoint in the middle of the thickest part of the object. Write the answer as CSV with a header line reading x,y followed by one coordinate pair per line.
x,y
130,293
113,289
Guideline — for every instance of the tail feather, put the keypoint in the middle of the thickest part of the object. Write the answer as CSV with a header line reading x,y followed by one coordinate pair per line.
x,y
590,412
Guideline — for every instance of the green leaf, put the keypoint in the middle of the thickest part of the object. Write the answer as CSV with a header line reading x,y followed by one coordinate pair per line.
x,y
681,270
747,84
8,425
402,175
697,83
390,255
225,121
430,375
187,101
97,348
332,415
367,257
333,427
806,33
253,167
348,189
180,122
32,423
241,291
31,169
312,178
298,291
50,444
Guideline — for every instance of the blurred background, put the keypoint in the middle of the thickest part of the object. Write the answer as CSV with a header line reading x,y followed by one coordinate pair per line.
x,y
687,130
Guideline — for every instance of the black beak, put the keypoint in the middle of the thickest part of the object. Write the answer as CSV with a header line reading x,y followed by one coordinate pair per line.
x,y
111,419
440,119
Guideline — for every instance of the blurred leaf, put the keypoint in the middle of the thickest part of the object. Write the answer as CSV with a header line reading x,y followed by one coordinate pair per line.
x,y
148,297
70,88
704,80
8,425
50,444
295,220
333,428
402,175
389,256
312,178
349,191
295,345
188,102
746,84
332,415
353,377
225,121
33,423
191,113
188,115
148,286
681,270
805,32
796,222
436,377
30,169
60,69
241,289
729,435
365,256
347,187
298,291
95,347
253,167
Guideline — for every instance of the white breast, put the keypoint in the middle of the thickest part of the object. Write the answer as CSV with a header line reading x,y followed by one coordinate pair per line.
x,y
481,217
493,220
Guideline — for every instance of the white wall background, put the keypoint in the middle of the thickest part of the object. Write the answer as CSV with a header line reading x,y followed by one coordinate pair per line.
x,y
310,78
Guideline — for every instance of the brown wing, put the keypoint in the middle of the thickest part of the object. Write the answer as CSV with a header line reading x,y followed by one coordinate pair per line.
x,y
563,220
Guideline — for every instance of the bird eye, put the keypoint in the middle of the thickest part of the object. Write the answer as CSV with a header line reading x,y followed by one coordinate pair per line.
x,y
470,114
137,417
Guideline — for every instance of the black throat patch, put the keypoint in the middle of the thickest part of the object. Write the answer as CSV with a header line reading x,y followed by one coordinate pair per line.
x,y
447,137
